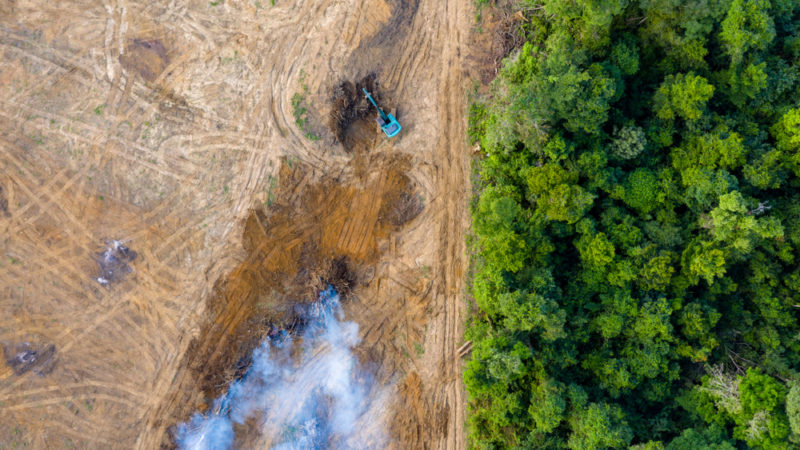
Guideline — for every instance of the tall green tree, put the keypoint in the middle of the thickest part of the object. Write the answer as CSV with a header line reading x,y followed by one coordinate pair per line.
x,y
637,229
682,95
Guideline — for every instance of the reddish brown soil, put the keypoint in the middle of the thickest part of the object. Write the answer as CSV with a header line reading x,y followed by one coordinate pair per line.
x,y
319,232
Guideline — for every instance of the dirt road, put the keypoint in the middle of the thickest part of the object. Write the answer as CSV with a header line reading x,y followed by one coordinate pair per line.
x,y
165,125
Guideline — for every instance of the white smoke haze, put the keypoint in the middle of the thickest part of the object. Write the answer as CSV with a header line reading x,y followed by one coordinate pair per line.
x,y
319,399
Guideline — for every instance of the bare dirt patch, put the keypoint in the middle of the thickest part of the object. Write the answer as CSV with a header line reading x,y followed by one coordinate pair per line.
x,y
166,126
418,420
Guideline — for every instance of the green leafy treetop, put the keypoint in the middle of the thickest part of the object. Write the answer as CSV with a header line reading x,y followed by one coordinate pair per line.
x,y
682,95
636,229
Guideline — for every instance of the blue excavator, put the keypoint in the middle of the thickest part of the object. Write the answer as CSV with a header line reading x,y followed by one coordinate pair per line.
x,y
387,122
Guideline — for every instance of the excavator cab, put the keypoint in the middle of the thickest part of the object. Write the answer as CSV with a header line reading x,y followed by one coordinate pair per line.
x,y
390,126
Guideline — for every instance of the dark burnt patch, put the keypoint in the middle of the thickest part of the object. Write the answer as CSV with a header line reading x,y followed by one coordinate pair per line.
x,y
352,118
3,204
114,262
27,356
147,57
340,275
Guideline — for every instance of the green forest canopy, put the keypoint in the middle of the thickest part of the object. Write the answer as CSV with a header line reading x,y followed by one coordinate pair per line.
x,y
636,244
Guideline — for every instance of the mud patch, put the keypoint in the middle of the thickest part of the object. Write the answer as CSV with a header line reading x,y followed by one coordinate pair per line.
x,y
147,57
114,262
25,356
352,117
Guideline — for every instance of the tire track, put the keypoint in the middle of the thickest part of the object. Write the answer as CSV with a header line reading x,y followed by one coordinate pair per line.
x,y
157,313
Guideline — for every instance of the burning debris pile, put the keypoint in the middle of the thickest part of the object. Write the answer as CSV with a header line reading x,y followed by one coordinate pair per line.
x,y
332,272
25,356
315,400
114,262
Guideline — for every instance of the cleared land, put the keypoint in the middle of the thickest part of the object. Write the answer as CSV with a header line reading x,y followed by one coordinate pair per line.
x,y
173,127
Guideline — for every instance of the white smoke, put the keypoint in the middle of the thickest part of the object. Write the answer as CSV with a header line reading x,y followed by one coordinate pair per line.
x,y
317,400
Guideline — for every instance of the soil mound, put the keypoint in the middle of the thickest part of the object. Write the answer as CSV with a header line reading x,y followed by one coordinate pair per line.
x,y
401,208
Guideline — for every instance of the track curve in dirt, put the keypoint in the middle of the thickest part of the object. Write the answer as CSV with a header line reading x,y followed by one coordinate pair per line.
x,y
163,124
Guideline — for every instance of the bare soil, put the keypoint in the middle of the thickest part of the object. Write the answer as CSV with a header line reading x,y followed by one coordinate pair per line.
x,y
168,127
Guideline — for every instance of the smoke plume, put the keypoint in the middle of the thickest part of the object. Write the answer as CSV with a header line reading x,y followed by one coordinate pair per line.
x,y
319,399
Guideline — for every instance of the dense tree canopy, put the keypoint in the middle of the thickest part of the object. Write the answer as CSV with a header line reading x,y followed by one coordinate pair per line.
x,y
636,244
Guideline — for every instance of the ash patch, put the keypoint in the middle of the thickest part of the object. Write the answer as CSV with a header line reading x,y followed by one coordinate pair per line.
x,y
350,111
114,262
24,357
3,204
147,57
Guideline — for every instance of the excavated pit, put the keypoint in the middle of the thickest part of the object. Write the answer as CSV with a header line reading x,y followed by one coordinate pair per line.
x,y
353,118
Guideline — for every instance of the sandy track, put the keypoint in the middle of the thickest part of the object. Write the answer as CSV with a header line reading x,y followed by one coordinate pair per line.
x,y
103,138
